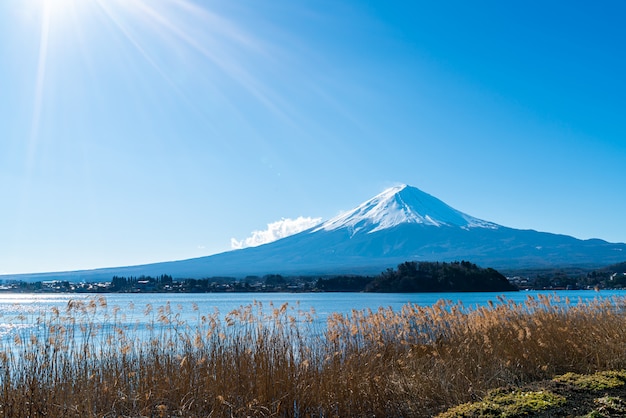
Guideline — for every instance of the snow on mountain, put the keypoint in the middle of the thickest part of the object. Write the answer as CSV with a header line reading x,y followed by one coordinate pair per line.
x,y
401,224
402,205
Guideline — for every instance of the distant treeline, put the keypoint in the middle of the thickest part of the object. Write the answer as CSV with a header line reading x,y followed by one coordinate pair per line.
x,y
610,277
414,276
407,277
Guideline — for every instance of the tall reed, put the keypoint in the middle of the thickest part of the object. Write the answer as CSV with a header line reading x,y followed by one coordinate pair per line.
x,y
92,360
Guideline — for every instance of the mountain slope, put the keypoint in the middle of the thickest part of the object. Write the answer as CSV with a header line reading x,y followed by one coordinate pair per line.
x,y
401,224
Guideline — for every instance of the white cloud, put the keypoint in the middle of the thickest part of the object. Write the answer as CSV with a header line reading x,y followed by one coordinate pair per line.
x,y
276,230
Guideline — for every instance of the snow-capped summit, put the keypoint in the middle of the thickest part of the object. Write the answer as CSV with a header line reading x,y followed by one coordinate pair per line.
x,y
402,205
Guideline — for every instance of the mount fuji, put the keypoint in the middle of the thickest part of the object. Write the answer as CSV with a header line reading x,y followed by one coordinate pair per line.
x,y
401,224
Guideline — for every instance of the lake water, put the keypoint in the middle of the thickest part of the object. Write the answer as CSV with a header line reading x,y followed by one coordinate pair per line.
x,y
19,312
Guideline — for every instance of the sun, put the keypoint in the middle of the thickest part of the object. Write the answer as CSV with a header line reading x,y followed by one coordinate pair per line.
x,y
58,6
73,36
60,10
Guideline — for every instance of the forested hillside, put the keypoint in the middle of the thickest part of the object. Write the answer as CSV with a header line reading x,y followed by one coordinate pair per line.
x,y
414,276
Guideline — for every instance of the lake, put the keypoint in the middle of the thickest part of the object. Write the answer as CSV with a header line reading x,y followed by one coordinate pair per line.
x,y
19,312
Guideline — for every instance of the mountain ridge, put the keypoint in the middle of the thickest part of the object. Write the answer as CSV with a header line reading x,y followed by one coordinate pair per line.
x,y
400,224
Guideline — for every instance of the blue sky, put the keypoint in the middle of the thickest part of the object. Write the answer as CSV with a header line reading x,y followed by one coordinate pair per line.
x,y
135,131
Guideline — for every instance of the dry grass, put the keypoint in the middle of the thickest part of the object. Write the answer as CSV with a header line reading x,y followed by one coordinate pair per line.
x,y
88,362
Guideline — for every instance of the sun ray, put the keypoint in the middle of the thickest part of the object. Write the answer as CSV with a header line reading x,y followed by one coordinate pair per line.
x,y
109,13
39,83
165,35
212,50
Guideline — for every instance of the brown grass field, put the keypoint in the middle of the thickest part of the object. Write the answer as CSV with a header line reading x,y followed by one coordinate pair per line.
x,y
277,361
